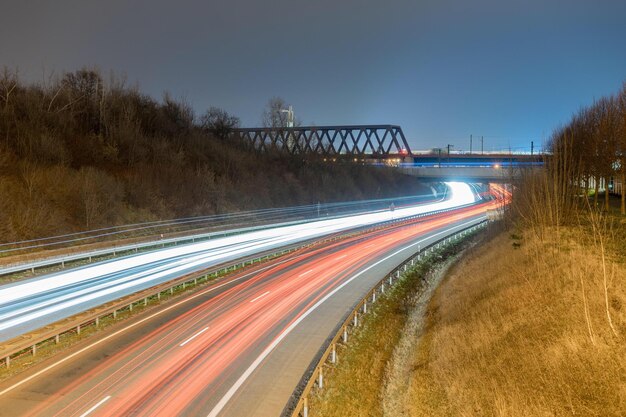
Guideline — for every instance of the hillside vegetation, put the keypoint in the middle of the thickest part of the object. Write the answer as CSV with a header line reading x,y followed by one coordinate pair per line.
x,y
78,152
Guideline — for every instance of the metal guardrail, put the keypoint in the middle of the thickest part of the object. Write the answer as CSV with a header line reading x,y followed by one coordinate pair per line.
x,y
118,250
298,405
122,250
215,222
31,340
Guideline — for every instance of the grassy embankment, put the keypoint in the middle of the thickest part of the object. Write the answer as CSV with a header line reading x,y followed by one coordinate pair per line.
x,y
352,387
522,327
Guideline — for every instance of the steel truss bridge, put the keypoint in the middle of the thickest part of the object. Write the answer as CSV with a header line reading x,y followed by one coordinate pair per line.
x,y
375,140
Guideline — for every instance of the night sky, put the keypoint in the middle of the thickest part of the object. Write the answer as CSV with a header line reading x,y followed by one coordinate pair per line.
x,y
442,69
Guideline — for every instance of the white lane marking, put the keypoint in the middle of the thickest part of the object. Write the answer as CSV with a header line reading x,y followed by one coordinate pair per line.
x,y
193,337
158,313
102,401
305,273
341,257
260,296
242,379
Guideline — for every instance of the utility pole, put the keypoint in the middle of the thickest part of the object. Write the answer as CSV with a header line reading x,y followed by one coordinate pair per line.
x,y
481,145
532,147
449,146
470,144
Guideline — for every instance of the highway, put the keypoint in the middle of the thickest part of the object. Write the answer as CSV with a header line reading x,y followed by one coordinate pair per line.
x,y
31,304
235,348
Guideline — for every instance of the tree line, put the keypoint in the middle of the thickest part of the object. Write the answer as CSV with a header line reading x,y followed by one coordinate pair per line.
x,y
594,142
78,151
585,155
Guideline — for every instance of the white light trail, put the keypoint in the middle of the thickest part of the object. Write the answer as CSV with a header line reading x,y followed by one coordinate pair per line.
x,y
35,299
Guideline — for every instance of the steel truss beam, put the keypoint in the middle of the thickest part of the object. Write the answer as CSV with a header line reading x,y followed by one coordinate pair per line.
x,y
377,140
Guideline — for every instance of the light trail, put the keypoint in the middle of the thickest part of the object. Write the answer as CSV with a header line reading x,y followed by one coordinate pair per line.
x,y
34,303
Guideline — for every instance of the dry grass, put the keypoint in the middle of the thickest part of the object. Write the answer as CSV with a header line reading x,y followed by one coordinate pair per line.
x,y
522,328
354,386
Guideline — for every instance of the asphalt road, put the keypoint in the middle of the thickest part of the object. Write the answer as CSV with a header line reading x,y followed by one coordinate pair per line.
x,y
31,304
235,348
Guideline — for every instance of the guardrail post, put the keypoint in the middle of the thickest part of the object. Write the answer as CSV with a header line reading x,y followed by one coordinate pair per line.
x,y
34,350
7,360
171,290
374,296
345,334
78,329
62,264
305,407
333,354
159,295
320,379
130,307
398,274
114,314
365,307
56,339
145,301
382,288
390,280
355,321
97,321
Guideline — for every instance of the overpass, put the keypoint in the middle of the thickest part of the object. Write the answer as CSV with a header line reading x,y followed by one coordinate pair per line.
x,y
493,167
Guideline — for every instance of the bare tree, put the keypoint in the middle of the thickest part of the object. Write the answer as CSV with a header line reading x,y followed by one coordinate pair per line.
x,y
621,146
218,122
273,115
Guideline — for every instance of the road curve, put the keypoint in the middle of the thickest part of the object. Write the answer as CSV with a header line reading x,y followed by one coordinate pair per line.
x,y
31,304
236,348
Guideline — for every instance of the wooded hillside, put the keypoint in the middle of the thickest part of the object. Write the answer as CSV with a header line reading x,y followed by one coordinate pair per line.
x,y
78,152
